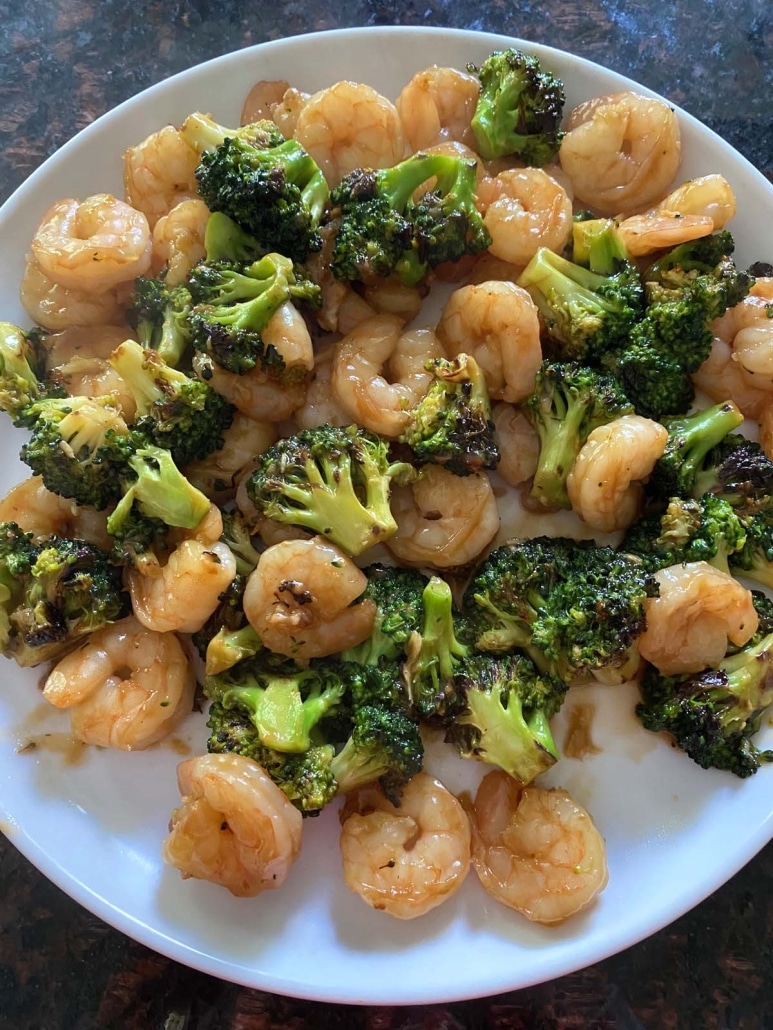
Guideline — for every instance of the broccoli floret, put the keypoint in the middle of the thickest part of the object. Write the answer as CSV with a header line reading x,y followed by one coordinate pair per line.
x,y
158,313
451,425
655,382
368,685
331,480
385,745
237,535
689,287
268,185
20,372
226,637
285,704
569,401
505,721
713,715
519,108
689,441
154,488
397,594
382,231
738,470
597,244
183,415
434,654
80,447
305,778
233,305
689,530
585,313
755,559
227,242
52,593
572,605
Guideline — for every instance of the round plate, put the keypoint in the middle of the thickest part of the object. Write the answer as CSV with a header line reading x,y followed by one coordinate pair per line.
x,y
93,821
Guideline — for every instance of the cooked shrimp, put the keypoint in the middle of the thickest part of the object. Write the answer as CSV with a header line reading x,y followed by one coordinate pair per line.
x,y
497,324
58,307
178,240
721,378
92,341
378,345
93,244
261,99
181,595
621,152
443,521
321,407
287,112
530,211
391,297
518,444
752,311
437,105
658,230
409,859
254,394
43,513
766,430
160,172
301,599
234,827
217,474
487,268
707,196
94,377
536,851
125,686
348,126
605,482
689,624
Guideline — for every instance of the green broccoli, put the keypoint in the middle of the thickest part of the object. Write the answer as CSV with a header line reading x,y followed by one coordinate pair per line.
x,y
385,745
397,594
21,370
268,185
573,606
434,654
738,470
183,415
505,721
519,108
569,401
158,313
585,313
597,244
382,231
690,439
451,425
226,242
233,305
755,559
331,480
689,530
53,593
655,381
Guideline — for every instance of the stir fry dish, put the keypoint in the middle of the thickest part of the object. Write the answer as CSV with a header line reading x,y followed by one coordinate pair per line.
x,y
266,483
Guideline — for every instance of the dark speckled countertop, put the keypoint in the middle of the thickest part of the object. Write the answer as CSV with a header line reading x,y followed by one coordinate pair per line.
x,y
65,62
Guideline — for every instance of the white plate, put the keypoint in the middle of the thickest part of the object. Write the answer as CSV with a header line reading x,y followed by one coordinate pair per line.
x,y
95,826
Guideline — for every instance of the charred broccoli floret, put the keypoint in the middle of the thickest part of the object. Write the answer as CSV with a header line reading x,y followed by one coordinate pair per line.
x,y
739,471
506,716
569,401
331,480
158,313
233,305
397,594
519,108
657,383
451,425
384,745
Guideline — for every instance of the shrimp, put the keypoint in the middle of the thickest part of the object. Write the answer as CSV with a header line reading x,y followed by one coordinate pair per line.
x,y
604,483
92,341
287,112
443,521
766,430
160,172
721,378
359,386
94,244
125,686
518,443
234,827
531,210
300,599
262,99
58,307
391,297
348,126
497,324
178,241
218,473
77,360
536,851
181,595
487,268
437,106
752,311
409,859
707,196
43,513
321,407
621,152
698,610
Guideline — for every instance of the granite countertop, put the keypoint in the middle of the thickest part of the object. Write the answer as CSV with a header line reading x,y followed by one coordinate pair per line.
x,y
65,62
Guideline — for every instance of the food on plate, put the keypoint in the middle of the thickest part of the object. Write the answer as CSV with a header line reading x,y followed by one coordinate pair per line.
x,y
263,467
